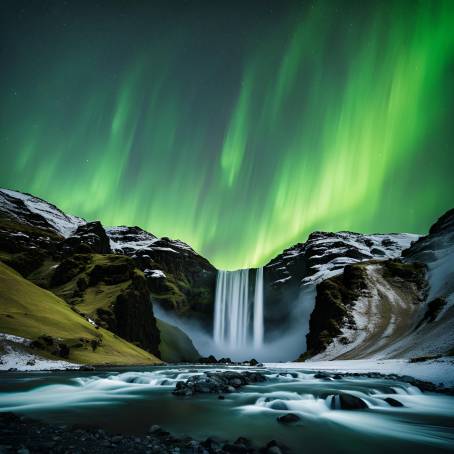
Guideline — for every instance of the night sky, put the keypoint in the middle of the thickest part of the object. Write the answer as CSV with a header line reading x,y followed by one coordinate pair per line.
x,y
238,127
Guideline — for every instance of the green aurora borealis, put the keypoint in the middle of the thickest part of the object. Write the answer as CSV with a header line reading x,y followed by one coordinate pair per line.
x,y
237,127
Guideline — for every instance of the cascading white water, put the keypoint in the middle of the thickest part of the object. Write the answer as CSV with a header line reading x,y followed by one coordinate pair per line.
x,y
232,314
258,309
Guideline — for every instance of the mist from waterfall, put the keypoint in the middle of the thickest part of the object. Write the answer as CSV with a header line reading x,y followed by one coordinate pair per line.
x,y
238,313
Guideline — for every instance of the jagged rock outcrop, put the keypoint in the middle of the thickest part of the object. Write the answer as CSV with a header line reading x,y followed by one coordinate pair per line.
x,y
108,277
291,277
89,238
179,279
74,260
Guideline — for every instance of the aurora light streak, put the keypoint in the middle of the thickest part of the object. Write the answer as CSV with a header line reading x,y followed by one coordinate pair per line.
x,y
236,128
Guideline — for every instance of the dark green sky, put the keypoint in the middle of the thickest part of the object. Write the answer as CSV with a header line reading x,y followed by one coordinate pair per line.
x,y
238,127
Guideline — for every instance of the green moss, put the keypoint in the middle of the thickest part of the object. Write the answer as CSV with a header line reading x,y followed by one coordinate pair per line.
x,y
175,345
410,272
29,311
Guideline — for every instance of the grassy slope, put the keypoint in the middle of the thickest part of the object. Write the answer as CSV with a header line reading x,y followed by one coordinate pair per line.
x,y
175,346
29,311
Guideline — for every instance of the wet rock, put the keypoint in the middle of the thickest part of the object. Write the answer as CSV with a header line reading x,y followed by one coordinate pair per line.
x,y
288,418
393,402
279,405
346,401
216,382
225,361
208,360
323,376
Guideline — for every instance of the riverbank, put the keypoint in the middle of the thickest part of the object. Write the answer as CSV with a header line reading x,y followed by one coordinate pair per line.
x,y
22,435
439,371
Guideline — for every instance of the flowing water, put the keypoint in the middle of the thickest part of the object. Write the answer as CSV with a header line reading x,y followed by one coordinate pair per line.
x,y
129,401
238,314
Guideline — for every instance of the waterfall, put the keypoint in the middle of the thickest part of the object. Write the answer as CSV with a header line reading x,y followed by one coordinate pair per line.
x,y
258,309
236,323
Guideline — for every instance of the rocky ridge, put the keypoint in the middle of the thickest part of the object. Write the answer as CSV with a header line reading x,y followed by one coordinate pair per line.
x,y
401,307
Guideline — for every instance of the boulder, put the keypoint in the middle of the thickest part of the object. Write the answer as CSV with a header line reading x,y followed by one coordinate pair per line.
x,y
393,402
288,418
346,401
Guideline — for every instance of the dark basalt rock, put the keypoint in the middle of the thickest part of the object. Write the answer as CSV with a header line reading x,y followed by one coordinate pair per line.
x,y
346,401
88,238
334,298
24,435
393,402
288,418
323,376
217,382
208,360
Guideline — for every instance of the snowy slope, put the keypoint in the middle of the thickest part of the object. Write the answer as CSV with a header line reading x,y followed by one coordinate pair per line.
x,y
136,241
128,240
38,212
392,319
14,354
326,254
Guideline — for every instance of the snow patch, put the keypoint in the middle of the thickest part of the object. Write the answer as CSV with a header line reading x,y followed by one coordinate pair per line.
x,y
62,223
436,371
15,356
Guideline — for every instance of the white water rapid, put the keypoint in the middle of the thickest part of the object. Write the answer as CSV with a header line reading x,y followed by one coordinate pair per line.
x,y
238,314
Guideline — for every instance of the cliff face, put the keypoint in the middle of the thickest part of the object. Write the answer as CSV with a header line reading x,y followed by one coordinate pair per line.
x,y
74,260
111,276
112,292
291,278
395,308
179,279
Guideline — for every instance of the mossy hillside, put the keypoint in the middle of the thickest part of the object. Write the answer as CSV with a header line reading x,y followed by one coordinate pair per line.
x,y
184,296
110,290
175,346
31,312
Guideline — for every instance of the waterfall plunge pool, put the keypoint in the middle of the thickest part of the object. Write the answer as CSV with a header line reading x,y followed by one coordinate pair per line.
x,y
130,400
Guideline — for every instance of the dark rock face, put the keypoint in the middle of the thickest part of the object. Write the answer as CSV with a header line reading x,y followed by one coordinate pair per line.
x,y
26,238
217,382
441,235
179,279
346,401
87,239
319,257
393,402
444,223
134,319
288,418
334,298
